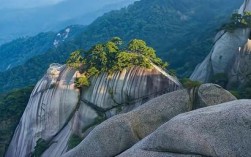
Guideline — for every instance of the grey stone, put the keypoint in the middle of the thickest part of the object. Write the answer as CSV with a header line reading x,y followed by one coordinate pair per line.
x,y
212,94
123,131
220,130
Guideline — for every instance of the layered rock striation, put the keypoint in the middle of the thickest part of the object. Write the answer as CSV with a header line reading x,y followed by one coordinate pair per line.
x,y
57,110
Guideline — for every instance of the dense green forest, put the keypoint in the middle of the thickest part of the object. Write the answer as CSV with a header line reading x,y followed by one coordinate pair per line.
x,y
181,31
12,106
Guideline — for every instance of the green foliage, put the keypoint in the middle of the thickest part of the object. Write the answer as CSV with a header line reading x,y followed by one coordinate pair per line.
x,y
93,72
41,146
236,93
238,21
220,79
242,92
245,92
140,47
75,60
82,81
74,140
118,41
189,84
108,57
12,106
127,60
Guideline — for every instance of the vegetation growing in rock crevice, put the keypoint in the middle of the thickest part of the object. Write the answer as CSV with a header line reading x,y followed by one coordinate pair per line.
x,y
189,84
41,146
238,21
220,79
111,57
241,92
74,140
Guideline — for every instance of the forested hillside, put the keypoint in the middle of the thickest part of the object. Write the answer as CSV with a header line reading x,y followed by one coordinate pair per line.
x,y
18,51
182,30
12,106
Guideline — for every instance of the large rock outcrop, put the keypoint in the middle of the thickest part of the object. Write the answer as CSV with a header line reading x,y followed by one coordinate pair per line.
x,y
47,111
57,110
128,129
228,56
221,130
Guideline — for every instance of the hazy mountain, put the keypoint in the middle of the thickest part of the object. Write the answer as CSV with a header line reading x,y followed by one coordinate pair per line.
x,y
181,31
18,21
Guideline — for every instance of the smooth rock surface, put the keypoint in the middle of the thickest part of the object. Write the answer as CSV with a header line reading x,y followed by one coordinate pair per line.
x,y
221,56
220,130
122,131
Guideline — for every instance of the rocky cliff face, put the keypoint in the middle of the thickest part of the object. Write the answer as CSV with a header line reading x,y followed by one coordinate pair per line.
x,y
57,110
229,55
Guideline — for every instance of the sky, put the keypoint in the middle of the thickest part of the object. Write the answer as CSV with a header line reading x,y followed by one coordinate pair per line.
x,y
26,3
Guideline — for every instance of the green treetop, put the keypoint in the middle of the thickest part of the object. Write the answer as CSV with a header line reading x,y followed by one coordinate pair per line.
x,y
109,57
75,60
238,21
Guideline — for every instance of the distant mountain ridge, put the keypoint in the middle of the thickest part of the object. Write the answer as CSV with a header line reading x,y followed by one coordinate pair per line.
x,y
15,23
21,50
180,36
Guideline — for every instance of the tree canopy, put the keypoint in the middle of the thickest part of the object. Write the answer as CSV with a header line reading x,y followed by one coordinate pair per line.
x,y
238,21
112,56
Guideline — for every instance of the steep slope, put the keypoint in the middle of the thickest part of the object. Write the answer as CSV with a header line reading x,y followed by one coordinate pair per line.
x,y
180,36
57,111
229,59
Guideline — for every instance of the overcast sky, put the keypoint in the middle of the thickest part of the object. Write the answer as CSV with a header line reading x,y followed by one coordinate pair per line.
x,y
26,3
